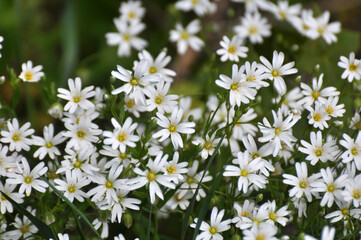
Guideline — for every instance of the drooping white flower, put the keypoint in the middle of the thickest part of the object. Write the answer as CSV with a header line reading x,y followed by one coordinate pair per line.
x,y
212,231
185,37
254,27
172,127
30,73
352,67
232,49
17,136
76,96
275,71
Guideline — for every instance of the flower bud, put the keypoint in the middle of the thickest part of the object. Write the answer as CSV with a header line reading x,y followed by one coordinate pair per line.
x,y
259,198
190,118
128,220
298,79
236,237
56,111
49,218
301,236
2,79
317,68
220,97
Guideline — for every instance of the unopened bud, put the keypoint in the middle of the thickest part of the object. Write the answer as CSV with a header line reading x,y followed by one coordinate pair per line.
x,y
220,97
259,198
298,79
190,118
236,237
128,220
317,68
215,200
301,236
49,218
112,79
231,12
2,79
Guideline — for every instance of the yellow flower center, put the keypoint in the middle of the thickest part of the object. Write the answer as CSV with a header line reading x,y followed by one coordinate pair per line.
x,y
320,30
3,198
194,2
130,103
122,136
353,67
24,229
28,76
344,211
126,37
356,194
151,176
159,99
305,27
317,117
303,184
49,145
232,49
184,35
282,14
255,155
109,184
251,78
235,86
133,81
272,216
277,130
315,94
253,30
208,145
52,175
190,180
244,173
28,179
329,109
245,214
77,164
77,98
331,188
81,135
213,230
16,137
152,70
171,169
319,151
275,73
172,128
131,15
354,151
260,236
72,188
123,155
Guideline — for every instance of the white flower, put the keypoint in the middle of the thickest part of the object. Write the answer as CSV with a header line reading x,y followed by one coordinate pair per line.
x,y
212,231
275,71
76,96
302,183
200,7
318,116
344,212
154,176
290,101
320,27
243,125
48,143
30,73
280,132
29,179
172,127
352,191
122,136
208,144
117,156
82,134
331,106
331,188
254,75
240,90
173,168
8,189
158,98
186,36
56,111
232,49
353,150
157,65
24,227
253,5
131,11
327,234
17,137
71,187
317,151
244,210
126,37
254,27
315,93
264,231
277,216
134,83
352,67
247,172
182,202
282,11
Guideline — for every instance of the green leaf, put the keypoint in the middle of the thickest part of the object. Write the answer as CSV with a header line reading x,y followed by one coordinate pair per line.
x,y
82,215
191,205
43,228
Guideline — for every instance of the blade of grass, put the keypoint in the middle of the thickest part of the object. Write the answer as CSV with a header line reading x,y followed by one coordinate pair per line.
x,y
82,215
43,228
191,205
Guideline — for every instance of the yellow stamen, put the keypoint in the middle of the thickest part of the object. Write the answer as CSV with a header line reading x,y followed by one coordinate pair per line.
x,y
109,184
172,128
171,169
72,188
81,135
232,49
16,137
213,230
317,117
151,176
28,76
28,179
159,99
122,137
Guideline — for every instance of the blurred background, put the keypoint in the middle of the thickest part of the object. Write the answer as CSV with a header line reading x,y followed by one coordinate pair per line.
x,y
67,37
